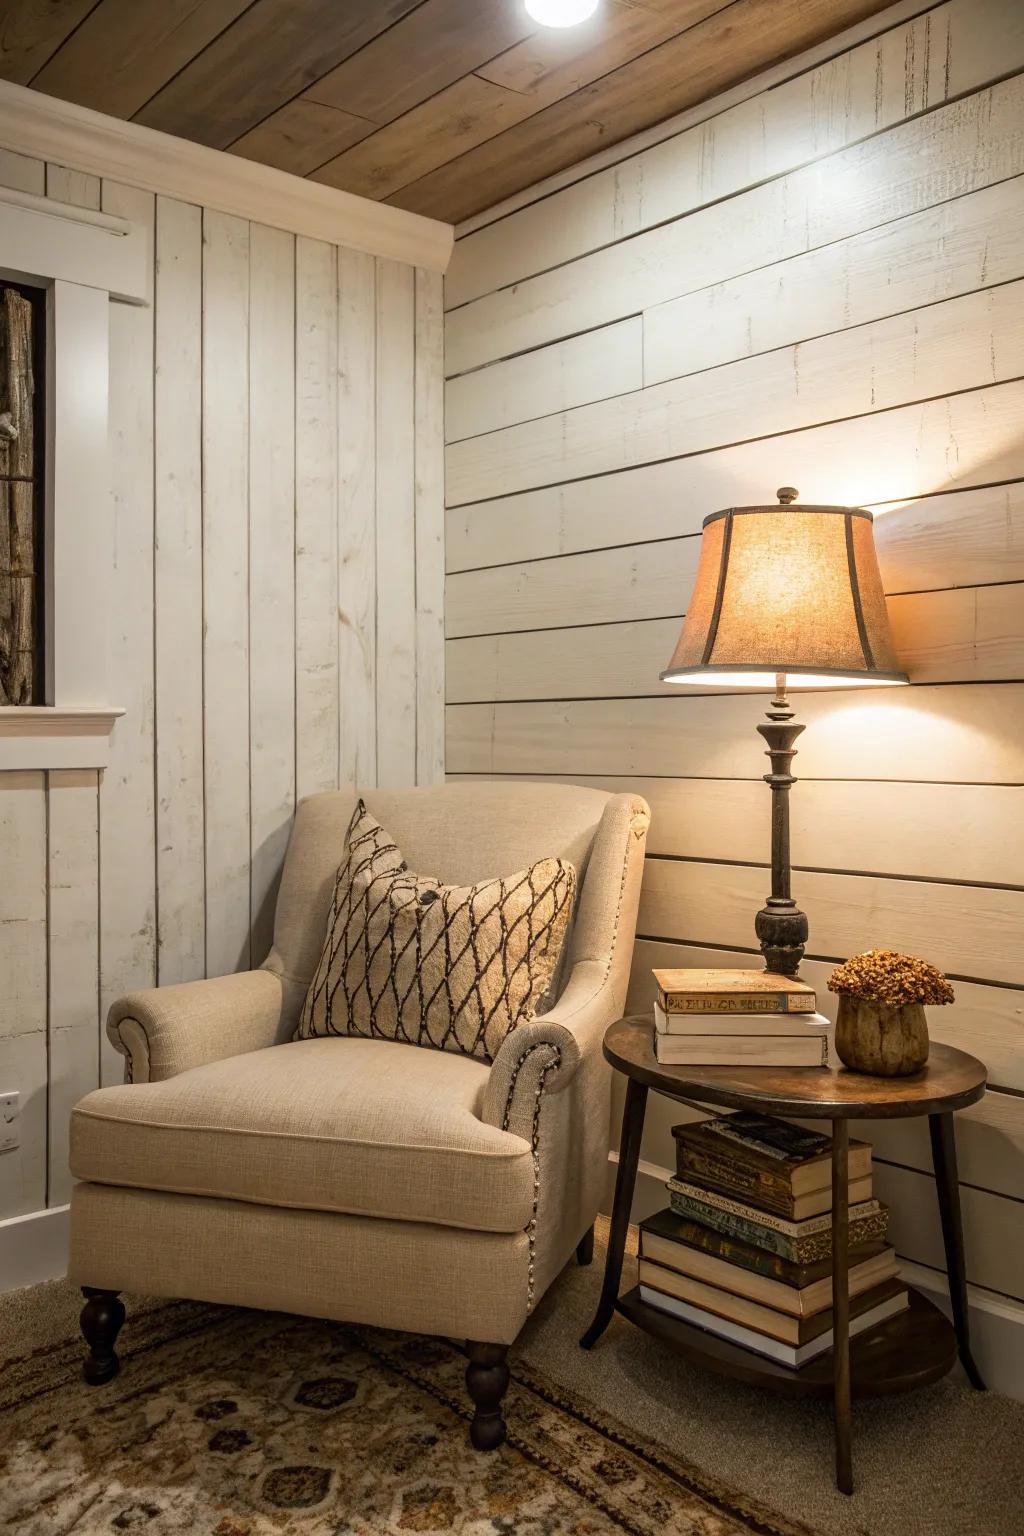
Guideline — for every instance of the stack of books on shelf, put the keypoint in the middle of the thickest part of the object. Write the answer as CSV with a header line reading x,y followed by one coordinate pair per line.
x,y
745,1249
737,1019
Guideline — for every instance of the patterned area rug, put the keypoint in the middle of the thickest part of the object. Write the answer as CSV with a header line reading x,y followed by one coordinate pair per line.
x,y
231,1423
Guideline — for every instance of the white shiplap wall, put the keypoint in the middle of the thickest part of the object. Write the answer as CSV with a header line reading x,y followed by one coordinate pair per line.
x,y
275,464
822,286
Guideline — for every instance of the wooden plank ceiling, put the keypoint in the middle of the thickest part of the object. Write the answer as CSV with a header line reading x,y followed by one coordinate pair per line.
x,y
444,107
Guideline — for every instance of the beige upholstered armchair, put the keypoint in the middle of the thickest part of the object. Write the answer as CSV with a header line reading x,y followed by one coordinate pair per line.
x,y
361,1179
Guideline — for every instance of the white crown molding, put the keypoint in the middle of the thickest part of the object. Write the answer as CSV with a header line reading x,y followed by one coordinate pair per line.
x,y
38,125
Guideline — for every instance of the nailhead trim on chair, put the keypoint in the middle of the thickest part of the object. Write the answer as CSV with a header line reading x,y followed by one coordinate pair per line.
x,y
531,1230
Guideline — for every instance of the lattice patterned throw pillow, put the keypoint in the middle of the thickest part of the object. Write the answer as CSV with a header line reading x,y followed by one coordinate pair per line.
x,y
454,967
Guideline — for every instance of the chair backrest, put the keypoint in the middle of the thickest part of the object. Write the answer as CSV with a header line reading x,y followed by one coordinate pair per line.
x,y
461,834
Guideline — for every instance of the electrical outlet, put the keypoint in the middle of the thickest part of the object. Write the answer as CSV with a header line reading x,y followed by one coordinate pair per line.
x,y
8,1121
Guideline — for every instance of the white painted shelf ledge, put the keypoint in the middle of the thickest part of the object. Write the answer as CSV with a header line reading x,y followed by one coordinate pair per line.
x,y
49,736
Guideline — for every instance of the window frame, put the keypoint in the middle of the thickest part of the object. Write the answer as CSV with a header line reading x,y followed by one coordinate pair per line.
x,y
82,260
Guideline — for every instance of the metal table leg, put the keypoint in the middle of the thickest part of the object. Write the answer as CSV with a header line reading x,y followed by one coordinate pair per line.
x,y
629,1156
947,1187
841,1304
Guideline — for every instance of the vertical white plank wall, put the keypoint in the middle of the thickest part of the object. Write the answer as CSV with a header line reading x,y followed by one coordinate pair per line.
x,y
271,568
178,576
276,452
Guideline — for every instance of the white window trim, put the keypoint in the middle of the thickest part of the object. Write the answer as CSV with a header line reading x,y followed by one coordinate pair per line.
x,y
82,260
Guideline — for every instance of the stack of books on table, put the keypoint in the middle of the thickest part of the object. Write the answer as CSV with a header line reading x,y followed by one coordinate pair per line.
x,y
737,1019
745,1249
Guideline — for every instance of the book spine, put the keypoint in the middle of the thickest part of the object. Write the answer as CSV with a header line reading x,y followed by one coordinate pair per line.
x,y
730,1225
719,1245
737,1002
808,1249
729,1176
783,1224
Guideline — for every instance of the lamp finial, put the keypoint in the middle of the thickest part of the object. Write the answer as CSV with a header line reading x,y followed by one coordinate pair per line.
x,y
787,493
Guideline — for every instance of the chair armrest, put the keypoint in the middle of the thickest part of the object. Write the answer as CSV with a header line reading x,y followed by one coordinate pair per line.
x,y
166,1030
542,1057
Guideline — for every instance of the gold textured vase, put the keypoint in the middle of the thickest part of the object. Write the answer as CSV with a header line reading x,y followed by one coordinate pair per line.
x,y
881,1039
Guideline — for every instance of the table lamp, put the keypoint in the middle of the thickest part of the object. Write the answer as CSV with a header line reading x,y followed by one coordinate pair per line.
x,y
791,593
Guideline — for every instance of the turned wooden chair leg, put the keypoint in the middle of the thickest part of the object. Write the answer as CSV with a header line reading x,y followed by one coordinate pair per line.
x,y
487,1377
100,1322
585,1248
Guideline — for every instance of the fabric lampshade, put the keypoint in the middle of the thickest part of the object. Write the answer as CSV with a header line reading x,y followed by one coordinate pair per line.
x,y
793,589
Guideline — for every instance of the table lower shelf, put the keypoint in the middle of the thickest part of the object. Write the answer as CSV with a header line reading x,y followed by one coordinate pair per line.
x,y
911,1350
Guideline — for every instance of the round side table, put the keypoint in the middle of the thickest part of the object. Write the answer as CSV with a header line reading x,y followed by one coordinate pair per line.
x,y
910,1350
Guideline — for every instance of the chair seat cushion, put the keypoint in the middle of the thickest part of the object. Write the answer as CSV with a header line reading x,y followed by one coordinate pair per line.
x,y
371,1127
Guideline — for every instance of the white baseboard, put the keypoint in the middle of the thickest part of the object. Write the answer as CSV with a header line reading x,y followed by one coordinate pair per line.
x,y
34,1248
997,1323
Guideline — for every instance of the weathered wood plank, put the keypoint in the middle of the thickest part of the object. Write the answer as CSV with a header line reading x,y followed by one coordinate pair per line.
x,y
553,62
993,1229
23,903
965,539
599,364
396,526
266,57
226,584
430,582
357,519
448,124
958,148
73,938
634,581
605,661
31,33
127,788
125,50
437,43
180,834
973,634
271,567
926,449
944,832
964,733
907,69
316,519
962,344
989,1135
22,173
300,135
541,69
970,243
23,1066
965,930
21,505
68,186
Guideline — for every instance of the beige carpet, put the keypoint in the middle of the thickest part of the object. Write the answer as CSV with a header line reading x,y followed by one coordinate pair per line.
x,y
942,1462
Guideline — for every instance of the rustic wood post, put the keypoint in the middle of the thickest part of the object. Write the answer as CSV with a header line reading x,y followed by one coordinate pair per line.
x,y
17,500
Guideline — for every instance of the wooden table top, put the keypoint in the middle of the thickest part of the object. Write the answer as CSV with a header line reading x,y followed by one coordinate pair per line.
x,y
951,1079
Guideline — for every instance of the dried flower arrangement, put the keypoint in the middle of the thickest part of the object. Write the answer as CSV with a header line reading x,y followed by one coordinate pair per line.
x,y
885,976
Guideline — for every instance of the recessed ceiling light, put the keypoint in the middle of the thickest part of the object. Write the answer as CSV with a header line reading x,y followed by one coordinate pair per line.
x,y
560,13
